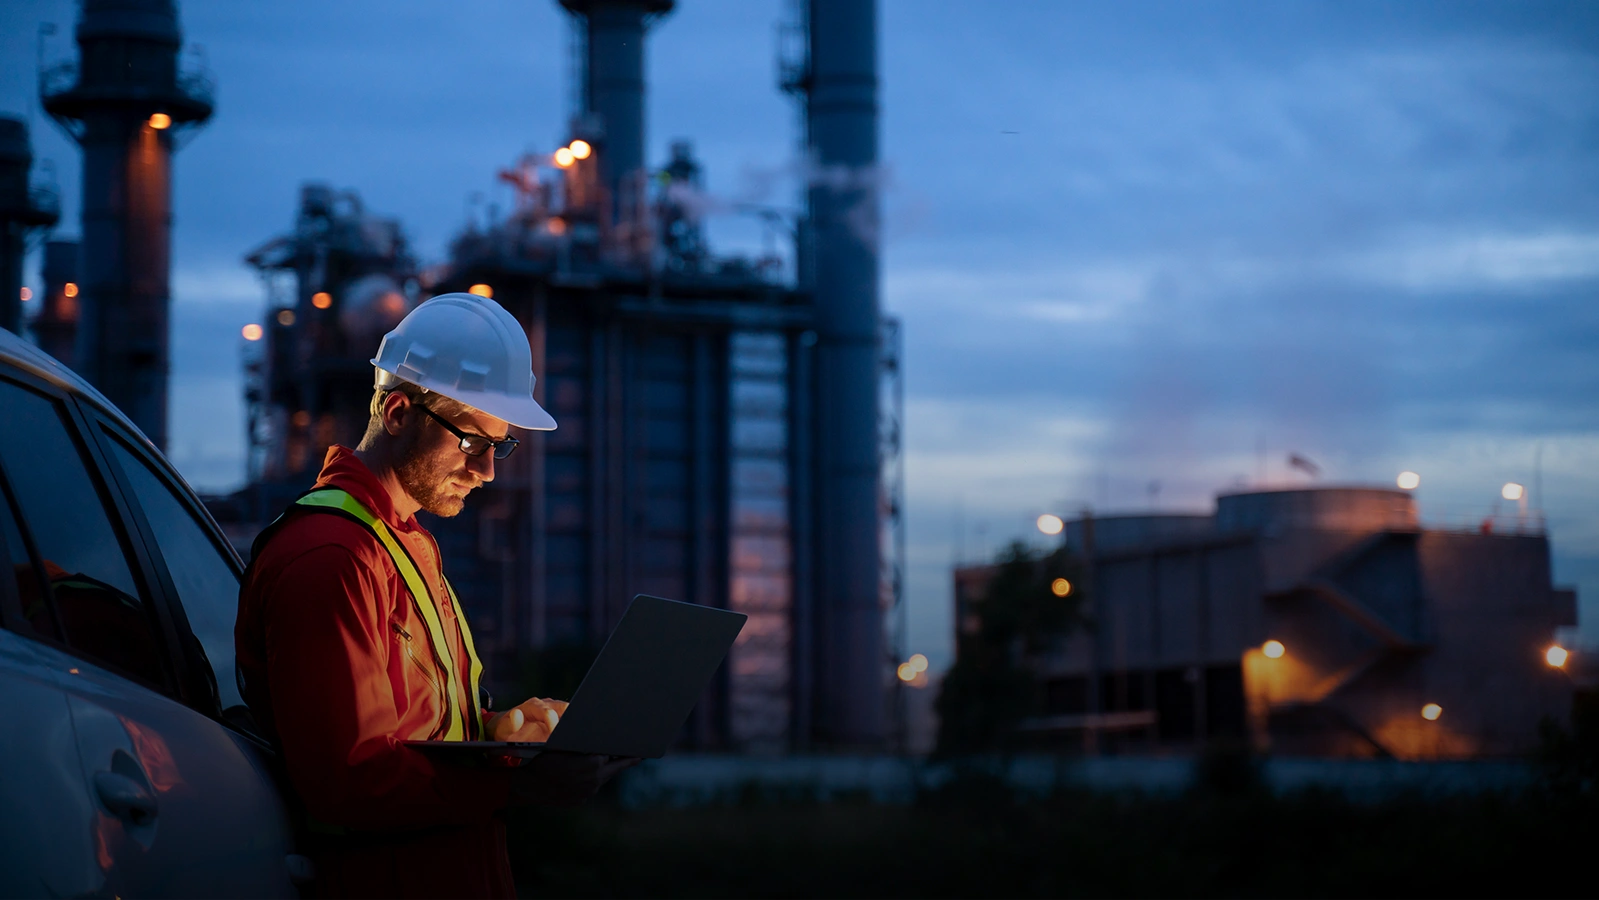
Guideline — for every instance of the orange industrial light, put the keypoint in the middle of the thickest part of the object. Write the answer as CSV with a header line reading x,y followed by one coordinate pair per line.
x,y
482,290
1409,480
1431,712
27,294
1049,524
321,299
557,226
251,332
1060,587
1556,656
1273,649
69,289
1512,491
907,673
564,157
580,149
160,121
917,662
285,317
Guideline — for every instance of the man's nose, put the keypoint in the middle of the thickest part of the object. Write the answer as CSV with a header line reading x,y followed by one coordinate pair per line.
x,y
481,465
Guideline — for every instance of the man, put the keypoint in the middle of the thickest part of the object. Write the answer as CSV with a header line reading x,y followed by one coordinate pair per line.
x,y
351,641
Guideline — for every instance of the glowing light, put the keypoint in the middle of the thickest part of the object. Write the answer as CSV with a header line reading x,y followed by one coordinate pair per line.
x,y
1060,587
285,317
1273,649
482,290
917,662
302,419
160,121
907,672
580,149
1409,480
564,157
1431,712
557,227
251,332
1556,656
321,299
69,289
1049,524
27,294
1512,491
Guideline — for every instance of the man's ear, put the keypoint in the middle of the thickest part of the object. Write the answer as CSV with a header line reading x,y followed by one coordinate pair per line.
x,y
396,406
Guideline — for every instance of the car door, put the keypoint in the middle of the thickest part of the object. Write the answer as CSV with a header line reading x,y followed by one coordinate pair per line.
x,y
183,805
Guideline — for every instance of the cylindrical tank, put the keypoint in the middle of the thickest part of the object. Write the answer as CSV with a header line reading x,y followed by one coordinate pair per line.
x,y
20,213
56,327
1113,533
1317,509
841,122
126,103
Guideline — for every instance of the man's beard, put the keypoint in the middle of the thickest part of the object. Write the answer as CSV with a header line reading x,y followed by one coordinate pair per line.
x,y
425,480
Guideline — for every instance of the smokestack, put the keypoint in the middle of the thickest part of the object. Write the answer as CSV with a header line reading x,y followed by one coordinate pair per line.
x,y
55,329
22,211
841,124
613,86
124,103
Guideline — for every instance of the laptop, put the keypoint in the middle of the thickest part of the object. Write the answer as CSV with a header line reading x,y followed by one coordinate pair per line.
x,y
640,689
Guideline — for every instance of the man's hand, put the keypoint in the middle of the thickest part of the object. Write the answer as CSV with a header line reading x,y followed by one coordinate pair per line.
x,y
556,778
531,720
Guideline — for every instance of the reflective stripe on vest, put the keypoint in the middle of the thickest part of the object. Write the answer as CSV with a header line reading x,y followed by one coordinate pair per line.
x,y
458,727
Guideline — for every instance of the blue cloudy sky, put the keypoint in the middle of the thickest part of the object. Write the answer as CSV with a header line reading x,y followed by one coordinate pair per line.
x,y
1130,243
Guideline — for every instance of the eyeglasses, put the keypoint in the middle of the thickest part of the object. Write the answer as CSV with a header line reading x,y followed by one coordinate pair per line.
x,y
474,444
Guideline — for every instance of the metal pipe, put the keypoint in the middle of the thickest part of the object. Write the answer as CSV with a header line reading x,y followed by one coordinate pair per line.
x,y
841,120
22,212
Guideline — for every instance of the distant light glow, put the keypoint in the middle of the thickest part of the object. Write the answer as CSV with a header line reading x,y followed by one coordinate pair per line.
x,y
917,662
321,299
251,332
580,149
160,121
1556,656
27,294
1431,712
907,672
302,419
1049,524
1060,587
557,226
1273,649
482,290
1409,480
285,317
564,157
70,289
1512,491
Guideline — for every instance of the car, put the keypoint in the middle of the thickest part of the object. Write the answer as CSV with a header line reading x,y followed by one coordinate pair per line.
x,y
131,765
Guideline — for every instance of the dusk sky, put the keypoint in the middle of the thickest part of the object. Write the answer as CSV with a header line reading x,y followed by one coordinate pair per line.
x,y
1130,243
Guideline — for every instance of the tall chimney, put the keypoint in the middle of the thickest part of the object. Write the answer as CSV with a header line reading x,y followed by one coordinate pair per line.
x,y
124,103
841,125
22,211
55,329
613,86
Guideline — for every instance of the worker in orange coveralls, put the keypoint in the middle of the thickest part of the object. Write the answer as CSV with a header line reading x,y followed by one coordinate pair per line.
x,y
351,641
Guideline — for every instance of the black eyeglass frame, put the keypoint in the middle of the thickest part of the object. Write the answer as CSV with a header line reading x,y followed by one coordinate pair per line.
x,y
468,440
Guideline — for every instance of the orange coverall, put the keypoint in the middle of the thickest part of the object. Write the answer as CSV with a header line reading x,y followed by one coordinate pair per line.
x,y
321,643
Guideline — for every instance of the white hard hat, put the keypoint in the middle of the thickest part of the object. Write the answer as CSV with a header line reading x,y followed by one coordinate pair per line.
x,y
467,348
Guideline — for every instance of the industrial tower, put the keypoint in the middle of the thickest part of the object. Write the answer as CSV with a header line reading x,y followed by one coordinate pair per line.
x,y
24,210
126,102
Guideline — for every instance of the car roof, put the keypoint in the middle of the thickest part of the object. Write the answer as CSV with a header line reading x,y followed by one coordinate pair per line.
x,y
36,362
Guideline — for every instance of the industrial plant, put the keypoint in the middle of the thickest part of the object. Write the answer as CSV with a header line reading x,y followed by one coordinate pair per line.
x,y
1320,621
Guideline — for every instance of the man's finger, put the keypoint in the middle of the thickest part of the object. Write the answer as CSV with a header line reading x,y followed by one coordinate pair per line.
x,y
552,717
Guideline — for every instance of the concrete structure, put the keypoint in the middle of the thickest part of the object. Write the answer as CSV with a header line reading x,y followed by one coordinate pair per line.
x,y
25,210
126,102
55,328
1320,622
691,393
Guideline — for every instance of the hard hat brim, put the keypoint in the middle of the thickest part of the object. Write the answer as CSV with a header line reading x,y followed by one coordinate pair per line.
x,y
522,412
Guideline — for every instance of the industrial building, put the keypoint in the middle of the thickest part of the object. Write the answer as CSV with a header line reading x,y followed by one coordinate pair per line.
x,y
692,392
1323,621
27,210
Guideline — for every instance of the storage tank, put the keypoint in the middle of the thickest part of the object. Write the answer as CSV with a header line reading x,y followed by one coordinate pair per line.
x,y
1322,509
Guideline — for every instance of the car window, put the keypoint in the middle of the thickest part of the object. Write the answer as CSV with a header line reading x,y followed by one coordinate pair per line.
x,y
205,581
32,612
103,613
